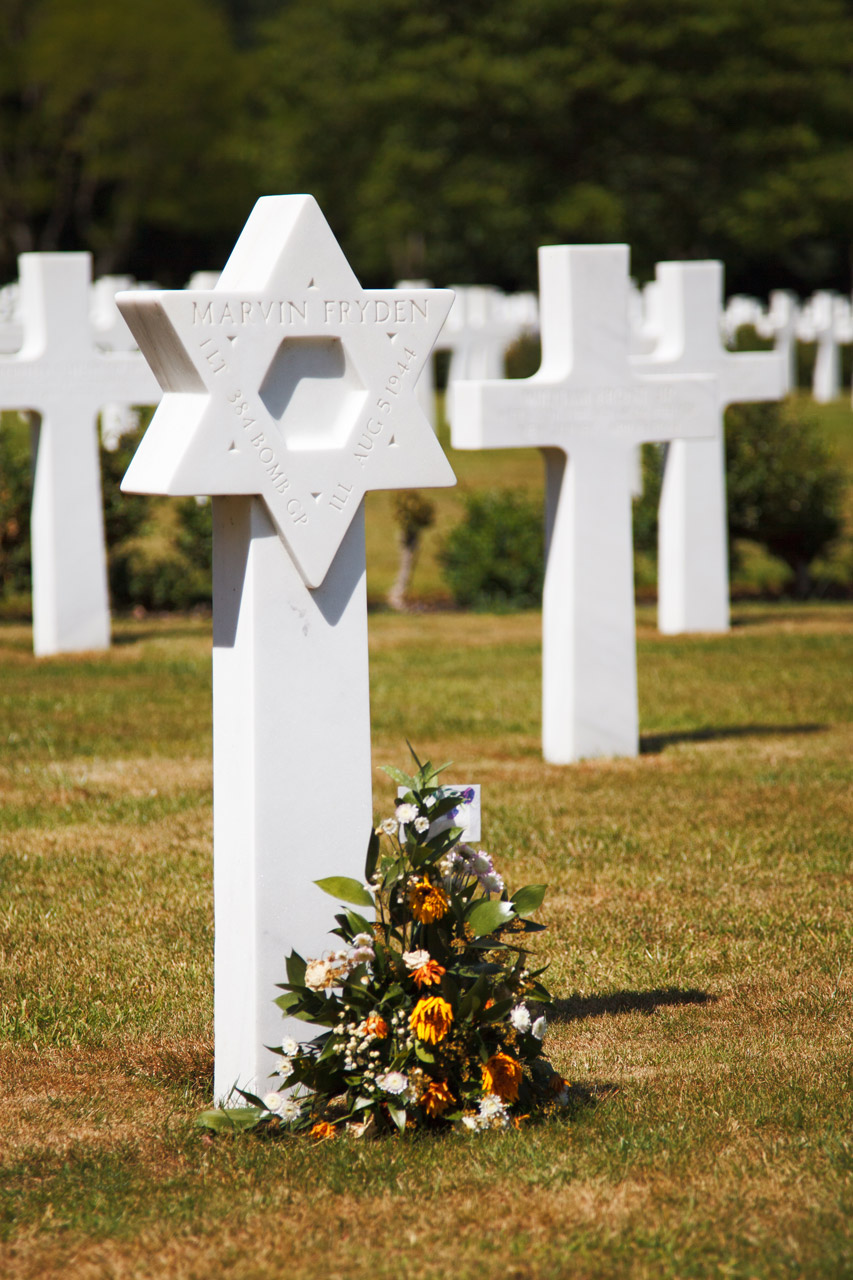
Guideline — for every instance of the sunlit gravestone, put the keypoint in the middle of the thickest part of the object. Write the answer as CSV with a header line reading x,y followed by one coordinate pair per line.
x,y
289,394
61,374
587,409
693,573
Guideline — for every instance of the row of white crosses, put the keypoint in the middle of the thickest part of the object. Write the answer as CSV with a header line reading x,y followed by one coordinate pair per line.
x,y
588,407
825,319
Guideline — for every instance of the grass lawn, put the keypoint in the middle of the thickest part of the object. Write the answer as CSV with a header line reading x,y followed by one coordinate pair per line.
x,y
699,935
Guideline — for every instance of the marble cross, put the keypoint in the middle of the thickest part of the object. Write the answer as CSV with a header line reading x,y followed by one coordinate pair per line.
x,y
290,392
693,575
587,409
61,374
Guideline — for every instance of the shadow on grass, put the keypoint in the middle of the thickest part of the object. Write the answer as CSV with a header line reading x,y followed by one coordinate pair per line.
x,y
577,1007
653,743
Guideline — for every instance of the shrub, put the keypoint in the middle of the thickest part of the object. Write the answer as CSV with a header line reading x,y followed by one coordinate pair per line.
x,y
784,488
495,558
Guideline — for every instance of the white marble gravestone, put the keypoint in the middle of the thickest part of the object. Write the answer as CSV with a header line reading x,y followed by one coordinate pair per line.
x,y
818,323
482,324
289,394
779,322
61,374
112,334
693,575
587,409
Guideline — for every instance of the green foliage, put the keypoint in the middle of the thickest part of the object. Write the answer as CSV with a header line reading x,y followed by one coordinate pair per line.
x,y
430,1004
495,557
413,513
474,132
106,109
15,499
784,488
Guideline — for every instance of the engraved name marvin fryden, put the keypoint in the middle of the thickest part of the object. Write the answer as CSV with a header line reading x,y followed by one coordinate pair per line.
x,y
310,317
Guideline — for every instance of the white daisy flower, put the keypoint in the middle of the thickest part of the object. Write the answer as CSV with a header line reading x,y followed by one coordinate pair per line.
x,y
393,1082
491,1107
289,1110
273,1102
539,1027
421,825
389,826
520,1017
289,1047
406,813
284,1068
415,959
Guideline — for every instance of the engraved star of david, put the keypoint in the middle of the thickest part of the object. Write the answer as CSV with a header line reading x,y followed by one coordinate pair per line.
x,y
289,381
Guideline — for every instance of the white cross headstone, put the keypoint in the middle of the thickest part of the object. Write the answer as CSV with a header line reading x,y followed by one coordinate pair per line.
x,y
817,323
480,328
61,374
112,334
587,409
289,394
693,575
779,322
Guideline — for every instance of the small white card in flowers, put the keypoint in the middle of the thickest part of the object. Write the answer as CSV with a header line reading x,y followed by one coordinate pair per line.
x,y
466,814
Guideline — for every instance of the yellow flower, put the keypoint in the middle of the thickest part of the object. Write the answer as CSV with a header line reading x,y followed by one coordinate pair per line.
x,y
436,1098
428,903
431,1019
322,1129
429,973
501,1075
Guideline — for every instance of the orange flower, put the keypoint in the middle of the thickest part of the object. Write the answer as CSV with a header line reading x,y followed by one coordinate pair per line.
x,y
322,1129
429,973
557,1084
436,1098
431,1019
375,1026
501,1075
428,903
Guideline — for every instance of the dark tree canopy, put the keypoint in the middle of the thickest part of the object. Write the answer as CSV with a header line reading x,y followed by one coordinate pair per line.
x,y
445,139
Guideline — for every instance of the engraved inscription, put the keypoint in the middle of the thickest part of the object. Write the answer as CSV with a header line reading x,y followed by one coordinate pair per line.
x,y
623,411
340,311
340,496
266,454
374,426
248,311
213,355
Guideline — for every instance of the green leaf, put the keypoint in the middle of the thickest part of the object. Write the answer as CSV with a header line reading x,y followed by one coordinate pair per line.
x,y
295,966
398,1115
372,855
347,890
287,1002
399,777
489,914
357,923
529,898
229,1119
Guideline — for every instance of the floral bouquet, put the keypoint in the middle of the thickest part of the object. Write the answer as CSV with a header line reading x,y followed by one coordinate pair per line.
x,y
434,1016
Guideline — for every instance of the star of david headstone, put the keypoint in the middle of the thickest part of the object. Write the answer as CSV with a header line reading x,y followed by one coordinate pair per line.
x,y
693,583
289,381
290,392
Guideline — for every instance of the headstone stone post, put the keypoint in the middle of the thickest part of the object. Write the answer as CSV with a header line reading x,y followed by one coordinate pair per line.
x,y
290,391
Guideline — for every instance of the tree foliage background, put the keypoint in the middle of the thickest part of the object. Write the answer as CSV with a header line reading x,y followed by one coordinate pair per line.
x,y
443,138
